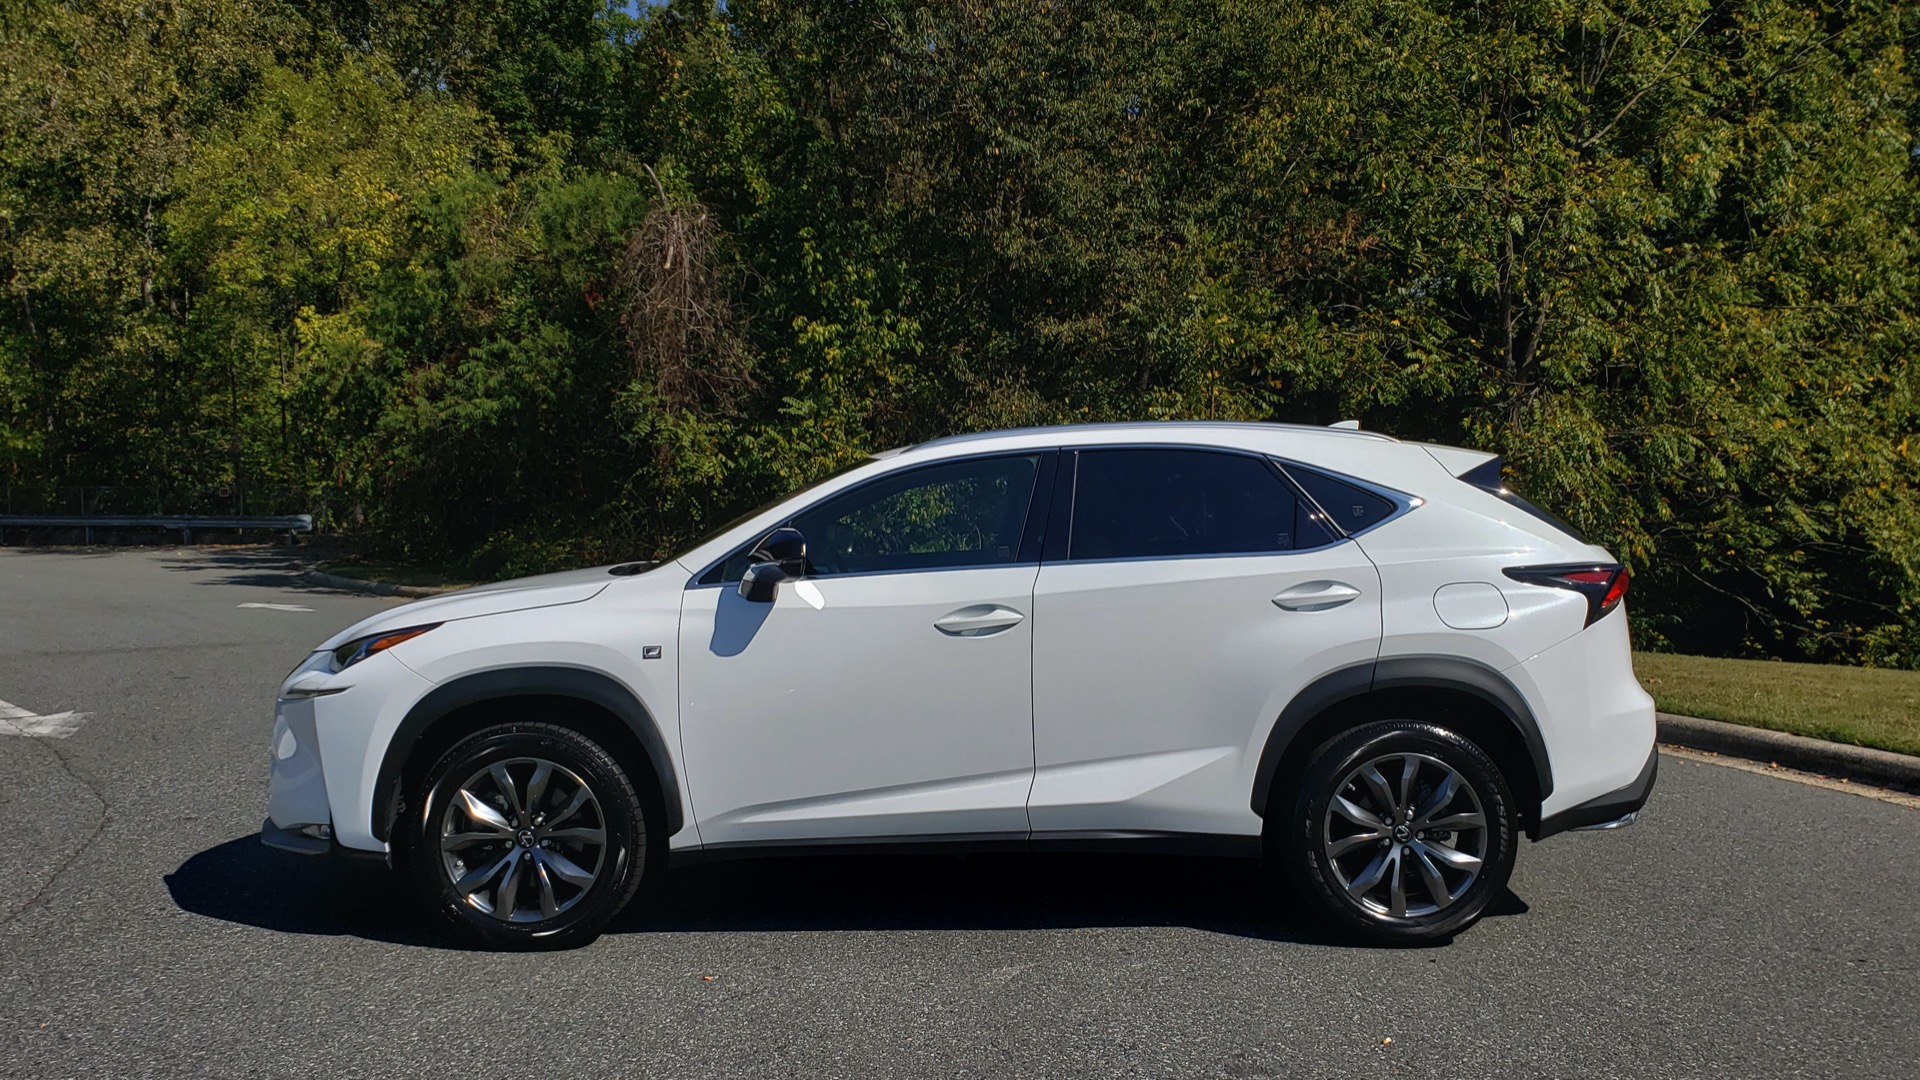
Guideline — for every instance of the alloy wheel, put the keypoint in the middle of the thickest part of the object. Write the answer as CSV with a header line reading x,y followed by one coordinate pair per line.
x,y
1405,835
523,840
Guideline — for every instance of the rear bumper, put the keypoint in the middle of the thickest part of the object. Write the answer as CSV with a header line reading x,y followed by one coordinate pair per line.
x,y
1610,808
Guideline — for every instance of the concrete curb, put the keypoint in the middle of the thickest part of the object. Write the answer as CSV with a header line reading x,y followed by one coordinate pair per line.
x,y
1794,751
377,588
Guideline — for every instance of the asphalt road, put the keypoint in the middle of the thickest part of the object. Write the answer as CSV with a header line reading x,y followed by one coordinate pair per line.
x,y
1747,926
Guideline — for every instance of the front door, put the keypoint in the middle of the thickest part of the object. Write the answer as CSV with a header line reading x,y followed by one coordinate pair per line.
x,y
887,695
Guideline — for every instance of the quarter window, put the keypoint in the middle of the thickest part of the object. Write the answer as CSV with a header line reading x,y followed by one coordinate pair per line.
x,y
1136,504
1350,508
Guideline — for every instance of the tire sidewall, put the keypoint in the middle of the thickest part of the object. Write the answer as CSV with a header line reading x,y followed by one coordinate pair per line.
x,y
1311,868
624,815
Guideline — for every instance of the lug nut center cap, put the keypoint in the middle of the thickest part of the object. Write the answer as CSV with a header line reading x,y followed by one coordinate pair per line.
x,y
526,838
1402,834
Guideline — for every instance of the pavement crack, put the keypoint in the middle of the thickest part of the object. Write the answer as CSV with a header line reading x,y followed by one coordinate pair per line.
x,y
106,817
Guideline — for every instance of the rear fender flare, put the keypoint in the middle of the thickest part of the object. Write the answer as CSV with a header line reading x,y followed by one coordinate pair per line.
x,y
1400,673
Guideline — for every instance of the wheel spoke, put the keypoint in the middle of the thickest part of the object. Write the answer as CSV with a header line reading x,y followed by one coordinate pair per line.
x,y
1381,792
1408,770
1458,860
537,786
1369,877
1346,808
549,907
578,836
474,879
1430,874
580,799
507,897
1471,820
505,780
1348,843
1397,890
456,841
482,813
1438,801
568,870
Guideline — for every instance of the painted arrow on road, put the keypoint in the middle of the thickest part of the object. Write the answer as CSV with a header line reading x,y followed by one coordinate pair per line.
x,y
15,720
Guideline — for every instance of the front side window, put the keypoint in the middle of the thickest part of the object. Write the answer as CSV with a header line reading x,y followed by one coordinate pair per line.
x,y
1135,504
964,513
967,513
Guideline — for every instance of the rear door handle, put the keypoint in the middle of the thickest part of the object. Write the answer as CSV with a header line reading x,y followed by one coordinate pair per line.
x,y
978,620
1316,596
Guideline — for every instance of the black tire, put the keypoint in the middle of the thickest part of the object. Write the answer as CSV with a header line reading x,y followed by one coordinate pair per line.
x,y
538,862
1330,857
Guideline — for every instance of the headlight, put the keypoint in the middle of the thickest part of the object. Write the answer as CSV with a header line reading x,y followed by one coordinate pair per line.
x,y
359,649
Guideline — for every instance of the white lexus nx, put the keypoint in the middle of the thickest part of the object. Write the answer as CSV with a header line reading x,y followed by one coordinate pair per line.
x,y
1362,659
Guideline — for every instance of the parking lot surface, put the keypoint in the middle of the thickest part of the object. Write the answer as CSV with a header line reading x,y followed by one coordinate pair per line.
x,y
1746,926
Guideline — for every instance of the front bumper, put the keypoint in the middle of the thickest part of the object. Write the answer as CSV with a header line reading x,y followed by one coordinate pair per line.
x,y
301,843
1614,807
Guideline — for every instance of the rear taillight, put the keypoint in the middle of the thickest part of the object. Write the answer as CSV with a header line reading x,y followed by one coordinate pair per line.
x,y
1604,585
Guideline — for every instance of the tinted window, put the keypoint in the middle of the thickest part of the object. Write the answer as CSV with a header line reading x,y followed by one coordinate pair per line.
x,y
1351,508
1132,504
968,513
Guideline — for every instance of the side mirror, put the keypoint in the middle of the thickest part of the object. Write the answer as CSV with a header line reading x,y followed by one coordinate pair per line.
x,y
782,556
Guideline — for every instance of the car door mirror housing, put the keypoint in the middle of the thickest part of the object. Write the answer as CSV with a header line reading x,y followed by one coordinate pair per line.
x,y
782,556
788,548
761,583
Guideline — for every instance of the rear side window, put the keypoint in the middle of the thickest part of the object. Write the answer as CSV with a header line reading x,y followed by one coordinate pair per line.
x,y
1350,507
1140,504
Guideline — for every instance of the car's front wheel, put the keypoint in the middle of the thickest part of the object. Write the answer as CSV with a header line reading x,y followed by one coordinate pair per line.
x,y
527,835
1400,832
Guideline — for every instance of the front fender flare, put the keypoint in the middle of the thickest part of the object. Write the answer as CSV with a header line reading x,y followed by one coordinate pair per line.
x,y
540,681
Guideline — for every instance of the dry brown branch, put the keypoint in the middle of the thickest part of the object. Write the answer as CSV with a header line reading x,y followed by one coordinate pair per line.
x,y
676,289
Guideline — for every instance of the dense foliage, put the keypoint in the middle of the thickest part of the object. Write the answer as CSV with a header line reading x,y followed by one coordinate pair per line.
x,y
509,286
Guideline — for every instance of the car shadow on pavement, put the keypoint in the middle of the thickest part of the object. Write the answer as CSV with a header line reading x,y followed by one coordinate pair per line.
x,y
243,881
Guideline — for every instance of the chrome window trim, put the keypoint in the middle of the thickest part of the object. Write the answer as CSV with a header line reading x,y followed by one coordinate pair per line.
x,y
1403,504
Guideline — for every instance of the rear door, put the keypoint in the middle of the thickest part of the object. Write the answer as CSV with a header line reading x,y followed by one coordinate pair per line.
x,y
1197,593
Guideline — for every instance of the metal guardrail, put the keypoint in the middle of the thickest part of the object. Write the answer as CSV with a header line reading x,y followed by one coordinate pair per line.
x,y
288,523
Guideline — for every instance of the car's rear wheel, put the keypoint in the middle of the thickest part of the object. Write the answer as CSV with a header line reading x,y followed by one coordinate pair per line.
x,y
1400,832
527,836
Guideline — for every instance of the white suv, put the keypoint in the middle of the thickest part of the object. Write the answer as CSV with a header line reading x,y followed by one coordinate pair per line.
x,y
1362,658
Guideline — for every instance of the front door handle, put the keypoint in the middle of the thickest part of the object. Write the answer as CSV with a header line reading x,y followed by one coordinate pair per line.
x,y
978,620
1316,596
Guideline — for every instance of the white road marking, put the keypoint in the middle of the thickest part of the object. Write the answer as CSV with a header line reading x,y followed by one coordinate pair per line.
x,y
15,720
275,607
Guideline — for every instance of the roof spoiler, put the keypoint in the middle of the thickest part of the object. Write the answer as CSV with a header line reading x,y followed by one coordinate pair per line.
x,y
1476,467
